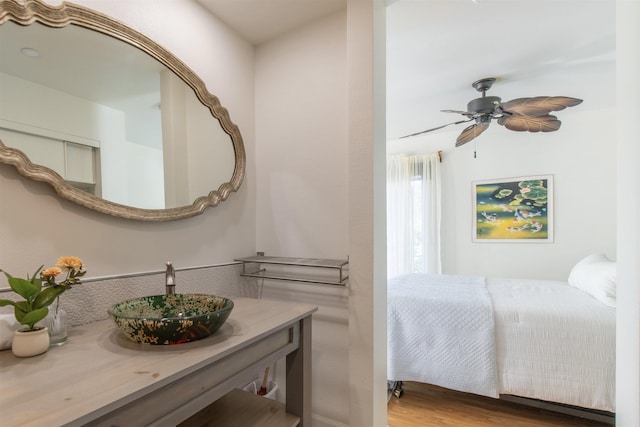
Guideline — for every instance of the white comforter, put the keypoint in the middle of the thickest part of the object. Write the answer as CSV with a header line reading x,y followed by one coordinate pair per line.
x,y
442,332
552,342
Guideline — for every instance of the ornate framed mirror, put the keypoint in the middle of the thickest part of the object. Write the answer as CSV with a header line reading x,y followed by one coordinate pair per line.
x,y
109,118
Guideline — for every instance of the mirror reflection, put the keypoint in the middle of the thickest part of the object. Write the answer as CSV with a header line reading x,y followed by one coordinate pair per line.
x,y
109,118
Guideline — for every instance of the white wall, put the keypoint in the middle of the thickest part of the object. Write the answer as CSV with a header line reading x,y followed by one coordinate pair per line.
x,y
301,142
319,142
582,159
367,213
628,292
36,226
302,200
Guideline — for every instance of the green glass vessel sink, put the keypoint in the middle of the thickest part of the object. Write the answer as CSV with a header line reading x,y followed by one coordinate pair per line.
x,y
171,319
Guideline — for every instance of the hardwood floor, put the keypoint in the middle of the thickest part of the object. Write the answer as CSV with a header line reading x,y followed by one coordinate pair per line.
x,y
424,405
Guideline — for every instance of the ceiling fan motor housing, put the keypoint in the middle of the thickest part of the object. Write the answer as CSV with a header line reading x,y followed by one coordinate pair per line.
x,y
484,105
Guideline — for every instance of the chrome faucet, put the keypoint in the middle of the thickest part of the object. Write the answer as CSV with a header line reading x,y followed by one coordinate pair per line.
x,y
170,279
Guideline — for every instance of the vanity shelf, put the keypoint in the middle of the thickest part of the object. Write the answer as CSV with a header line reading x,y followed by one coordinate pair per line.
x,y
294,269
241,408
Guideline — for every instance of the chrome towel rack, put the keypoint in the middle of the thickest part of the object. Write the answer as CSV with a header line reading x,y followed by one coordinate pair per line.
x,y
298,269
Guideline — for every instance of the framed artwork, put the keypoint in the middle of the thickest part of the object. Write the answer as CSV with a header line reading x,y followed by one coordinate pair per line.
x,y
513,209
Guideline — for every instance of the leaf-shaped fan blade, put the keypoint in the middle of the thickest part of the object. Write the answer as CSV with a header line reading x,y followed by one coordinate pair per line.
x,y
436,128
538,106
464,113
520,123
471,132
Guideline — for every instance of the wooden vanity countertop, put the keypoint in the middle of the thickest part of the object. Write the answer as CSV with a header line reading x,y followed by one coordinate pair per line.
x,y
99,370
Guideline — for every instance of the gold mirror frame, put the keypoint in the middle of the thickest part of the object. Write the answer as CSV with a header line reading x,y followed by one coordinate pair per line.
x,y
67,14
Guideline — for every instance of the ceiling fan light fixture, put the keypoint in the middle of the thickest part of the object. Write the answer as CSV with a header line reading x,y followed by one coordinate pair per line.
x,y
484,105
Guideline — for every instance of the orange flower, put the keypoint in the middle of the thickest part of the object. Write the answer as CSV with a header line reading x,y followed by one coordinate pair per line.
x,y
51,272
70,262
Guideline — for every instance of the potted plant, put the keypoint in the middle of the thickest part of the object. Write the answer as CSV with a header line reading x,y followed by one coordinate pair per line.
x,y
38,292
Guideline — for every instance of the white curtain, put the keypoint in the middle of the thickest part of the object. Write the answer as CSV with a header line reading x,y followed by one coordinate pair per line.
x,y
413,214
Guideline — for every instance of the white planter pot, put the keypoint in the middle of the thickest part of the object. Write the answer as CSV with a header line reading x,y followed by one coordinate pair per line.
x,y
30,343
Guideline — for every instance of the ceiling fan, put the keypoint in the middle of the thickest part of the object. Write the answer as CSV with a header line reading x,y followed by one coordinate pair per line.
x,y
522,114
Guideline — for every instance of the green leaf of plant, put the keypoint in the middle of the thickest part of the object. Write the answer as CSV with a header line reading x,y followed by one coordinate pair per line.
x,y
34,316
37,282
6,274
20,309
35,279
4,302
23,287
47,296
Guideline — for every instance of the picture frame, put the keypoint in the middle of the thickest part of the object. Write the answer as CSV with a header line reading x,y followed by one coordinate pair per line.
x,y
514,210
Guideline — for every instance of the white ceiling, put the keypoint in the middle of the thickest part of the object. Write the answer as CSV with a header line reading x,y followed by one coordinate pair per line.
x,y
437,48
260,20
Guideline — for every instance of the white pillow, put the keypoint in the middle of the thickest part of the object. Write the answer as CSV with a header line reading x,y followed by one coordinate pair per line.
x,y
596,275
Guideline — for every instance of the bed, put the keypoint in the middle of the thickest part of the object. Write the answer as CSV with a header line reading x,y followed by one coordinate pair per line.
x,y
548,340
